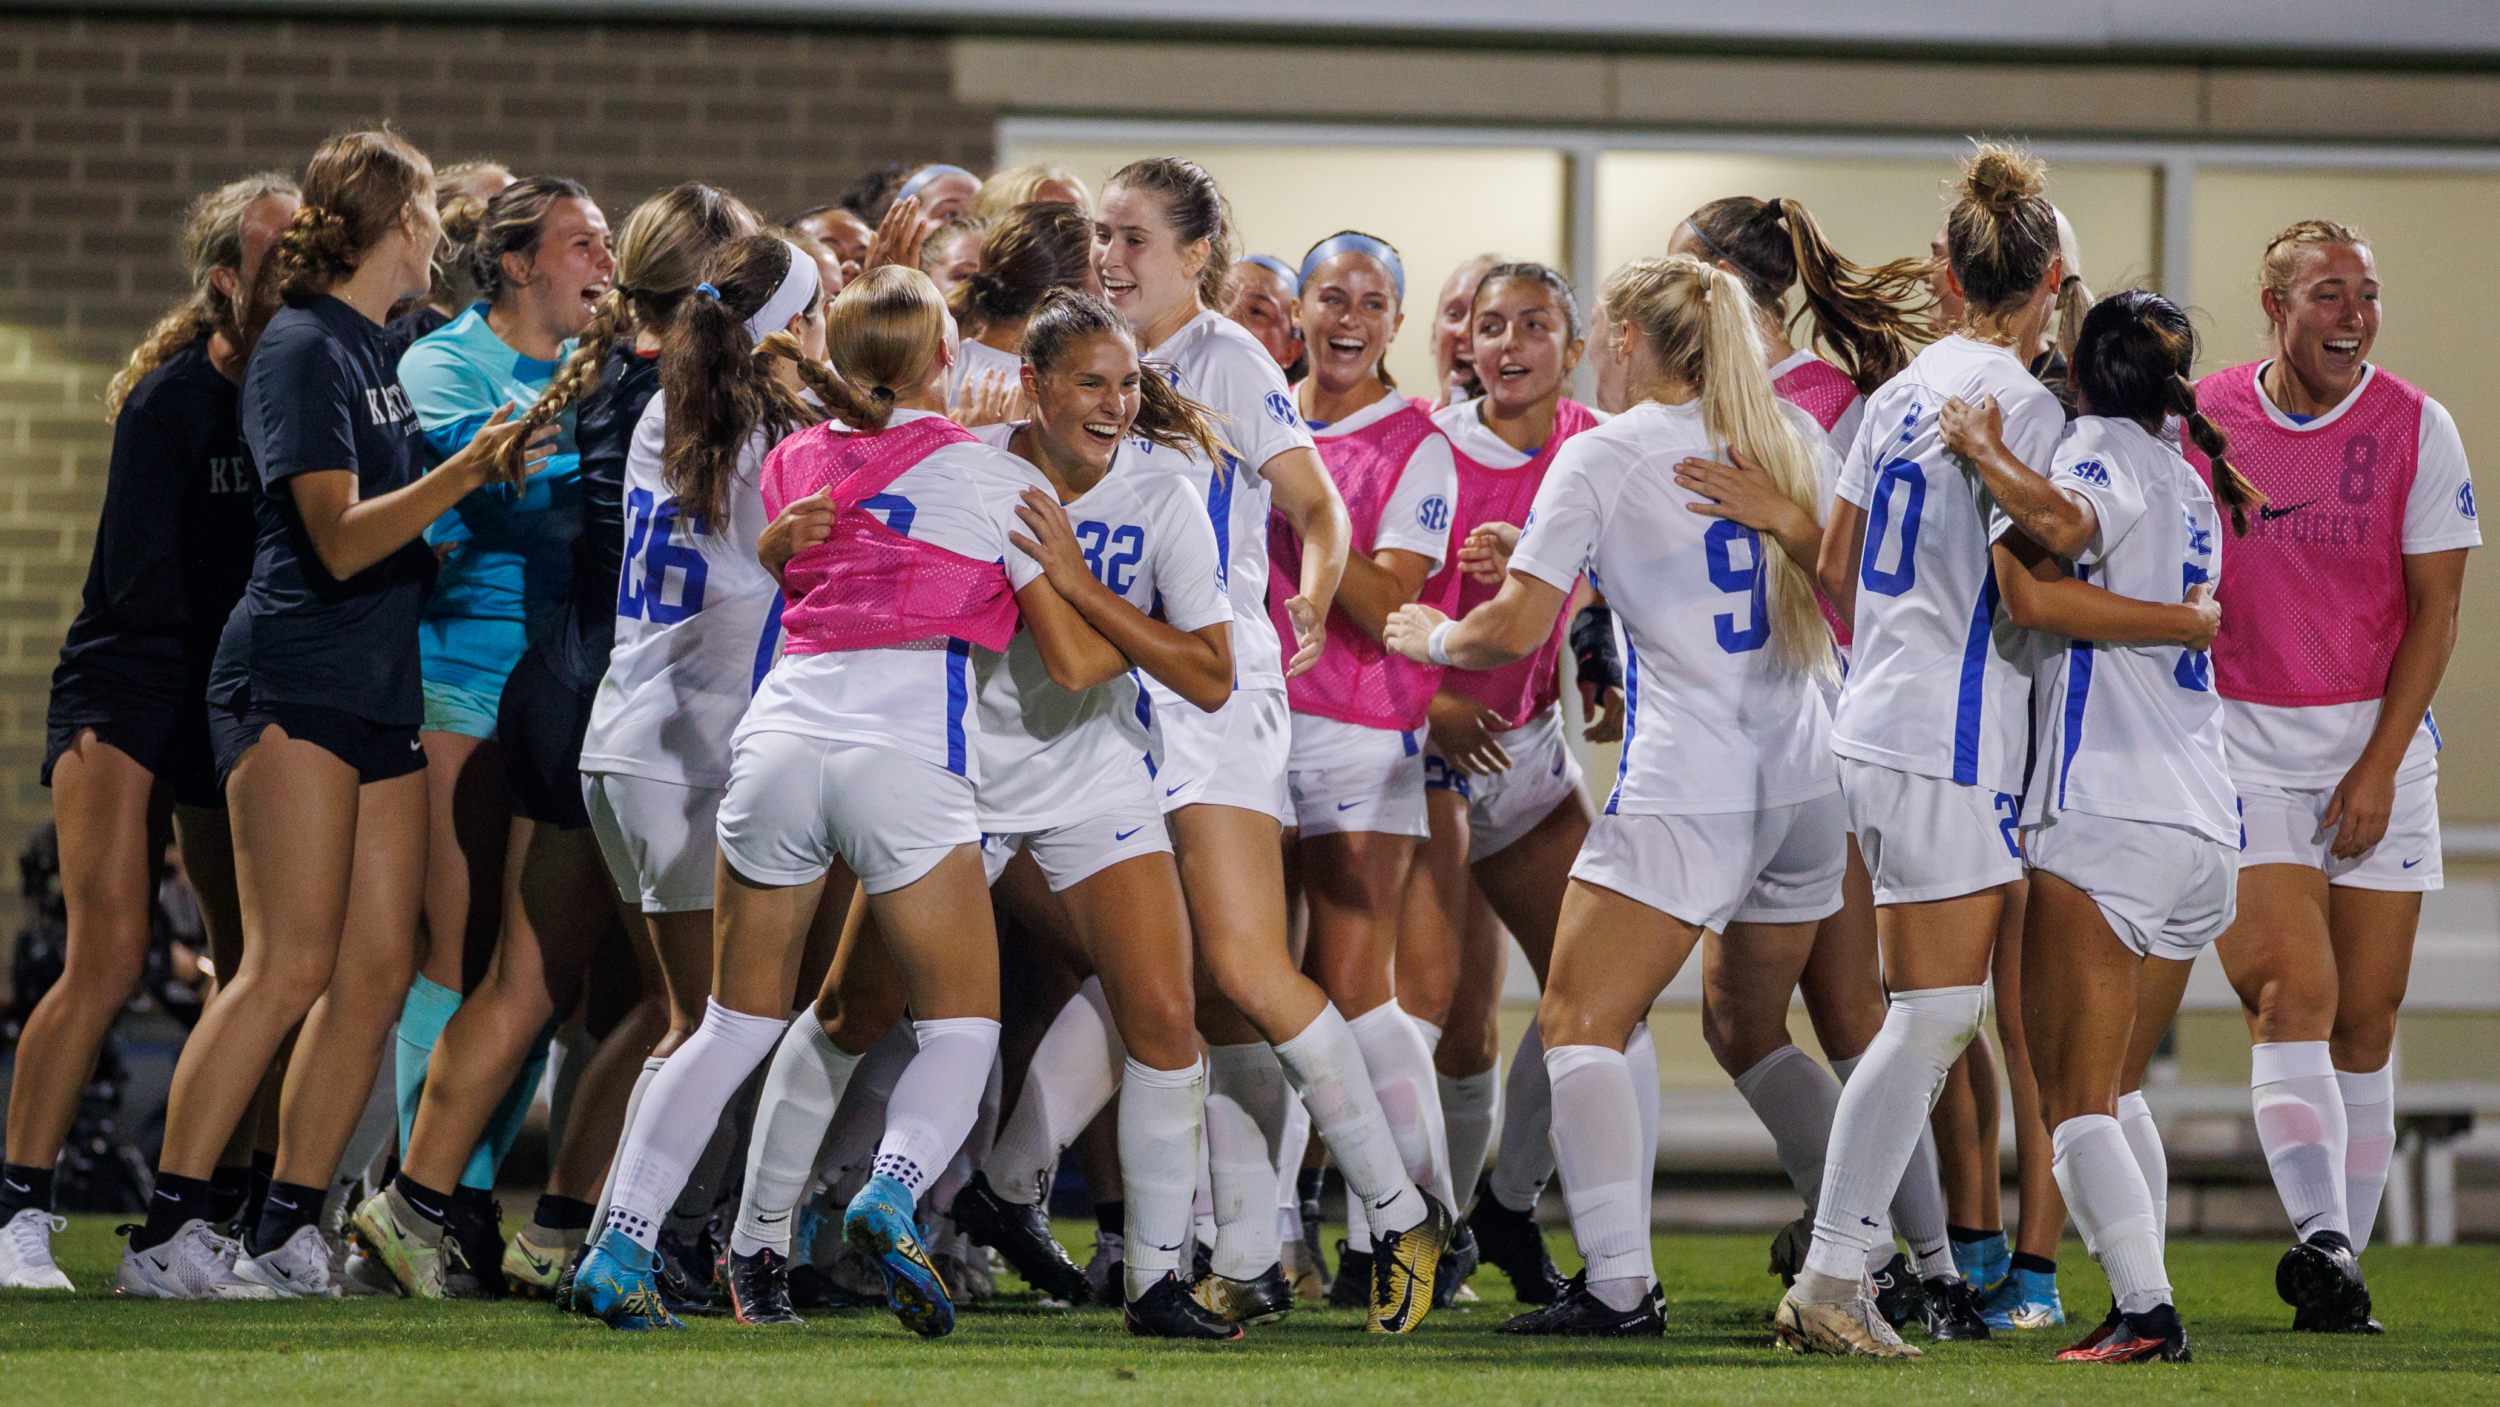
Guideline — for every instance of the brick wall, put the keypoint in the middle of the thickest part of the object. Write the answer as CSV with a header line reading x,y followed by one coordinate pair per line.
x,y
108,129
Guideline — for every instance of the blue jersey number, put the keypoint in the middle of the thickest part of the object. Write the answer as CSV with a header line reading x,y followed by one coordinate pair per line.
x,y
1125,545
1904,572
896,508
1747,579
2011,826
2195,669
651,550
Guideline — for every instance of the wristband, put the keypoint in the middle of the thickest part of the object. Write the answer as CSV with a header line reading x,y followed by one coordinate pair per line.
x,y
1436,645
1593,648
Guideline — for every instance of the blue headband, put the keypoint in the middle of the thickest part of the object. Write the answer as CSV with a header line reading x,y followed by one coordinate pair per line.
x,y
1353,243
1283,270
925,175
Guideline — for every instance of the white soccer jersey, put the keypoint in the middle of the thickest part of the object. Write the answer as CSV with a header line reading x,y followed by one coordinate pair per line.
x,y
2135,731
914,698
1428,483
1051,758
698,622
975,358
1938,679
1217,364
1712,723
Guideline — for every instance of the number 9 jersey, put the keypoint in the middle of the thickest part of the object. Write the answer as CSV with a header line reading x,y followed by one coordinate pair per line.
x,y
1938,684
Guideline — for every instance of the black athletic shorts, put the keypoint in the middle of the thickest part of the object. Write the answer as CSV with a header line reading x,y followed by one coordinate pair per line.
x,y
171,741
540,724
378,751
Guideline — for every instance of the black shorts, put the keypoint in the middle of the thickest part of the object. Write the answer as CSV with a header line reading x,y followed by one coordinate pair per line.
x,y
170,740
378,751
540,723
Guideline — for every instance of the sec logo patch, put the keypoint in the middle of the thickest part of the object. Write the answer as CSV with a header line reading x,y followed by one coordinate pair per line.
x,y
1433,514
1280,406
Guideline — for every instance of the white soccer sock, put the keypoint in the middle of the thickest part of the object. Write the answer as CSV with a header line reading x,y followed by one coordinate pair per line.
x,y
1883,1105
2113,1208
976,1146
2300,1124
1470,1107
1430,1032
859,1120
1075,1071
1794,1098
1597,1147
2369,1145
1289,1148
936,1101
1246,1099
1358,1230
1525,1157
633,1109
1410,1094
1640,1059
680,1112
801,1090
1327,1070
1917,1206
1159,1112
2135,1120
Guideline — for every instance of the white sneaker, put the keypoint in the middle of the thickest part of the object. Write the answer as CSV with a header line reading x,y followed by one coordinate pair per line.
x,y
298,1270
26,1252
197,1264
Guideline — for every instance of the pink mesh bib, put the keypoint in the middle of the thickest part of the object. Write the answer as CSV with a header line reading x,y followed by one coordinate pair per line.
x,y
1820,389
869,586
1356,680
2313,599
1522,689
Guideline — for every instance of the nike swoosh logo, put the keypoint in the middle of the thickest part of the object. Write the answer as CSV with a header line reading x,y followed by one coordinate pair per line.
x,y
763,1220
1167,1248
539,1265
2304,1221
1123,835
2269,512
1864,1221
1348,805
1167,791
17,1186
2409,864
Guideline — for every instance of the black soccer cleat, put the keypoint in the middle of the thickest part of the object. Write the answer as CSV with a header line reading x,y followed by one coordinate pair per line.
x,y
759,1287
1788,1250
685,1291
1262,1299
2155,1336
1582,1315
1352,1289
1952,1309
1022,1235
1458,1265
2321,1280
1512,1242
1166,1311
1898,1295
1533,1322
473,1240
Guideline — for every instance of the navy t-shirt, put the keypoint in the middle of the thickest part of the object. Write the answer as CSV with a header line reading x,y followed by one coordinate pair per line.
x,y
576,650
322,395
173,548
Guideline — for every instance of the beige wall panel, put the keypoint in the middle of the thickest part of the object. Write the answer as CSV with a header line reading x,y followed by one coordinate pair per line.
x,y
1278,81
2348,105
1957,97
1437,205
2435,332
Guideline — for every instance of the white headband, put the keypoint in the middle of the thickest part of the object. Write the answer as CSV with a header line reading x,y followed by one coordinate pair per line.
x,y
796,295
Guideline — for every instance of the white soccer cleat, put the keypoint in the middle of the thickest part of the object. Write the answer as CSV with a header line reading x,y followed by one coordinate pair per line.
x,y
1853,1330
299,1270
26,1252
197,1264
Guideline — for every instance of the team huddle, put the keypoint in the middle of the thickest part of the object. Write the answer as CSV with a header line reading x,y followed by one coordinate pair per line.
x,y
988,674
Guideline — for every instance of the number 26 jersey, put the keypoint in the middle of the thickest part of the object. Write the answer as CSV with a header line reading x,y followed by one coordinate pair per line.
x,y
1939,682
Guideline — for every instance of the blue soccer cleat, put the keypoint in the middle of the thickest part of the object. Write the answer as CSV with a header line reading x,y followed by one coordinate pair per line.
x,y
880,1224
2027,1300
618,1284
1984,1263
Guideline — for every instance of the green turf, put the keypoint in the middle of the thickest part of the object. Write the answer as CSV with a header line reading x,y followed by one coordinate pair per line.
x,y
98,1352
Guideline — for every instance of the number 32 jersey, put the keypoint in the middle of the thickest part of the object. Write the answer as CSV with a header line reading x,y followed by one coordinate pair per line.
x,y
698,623
1939,681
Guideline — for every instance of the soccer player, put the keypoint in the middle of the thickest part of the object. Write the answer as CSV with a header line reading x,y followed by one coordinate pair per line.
x,y
1453,321
1264,288
1027,252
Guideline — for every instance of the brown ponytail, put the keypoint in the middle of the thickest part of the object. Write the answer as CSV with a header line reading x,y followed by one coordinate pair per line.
x,y
212,239
718,390
1165,417
357,187
883,332
1867,318
1027,252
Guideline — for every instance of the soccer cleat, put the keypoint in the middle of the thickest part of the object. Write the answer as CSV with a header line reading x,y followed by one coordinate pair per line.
x,y
879,1222
2101,1332
1952,1309
1458,1265
759,1287
533,1266
1853,1330
196,1264
473,1250
1169,1311
1582,1315
1515,1246
813,1287
1106,1270
26,1251
2321,1280
2155,1336
1788,1249
618,1285
361,1276
408,1246
1898,1295
1533,1322
2026,1300
1021,1234
1983,1264
1263,1299
1307,1271
1352,1288
965,1270
299,1270
684,1279
1404,1267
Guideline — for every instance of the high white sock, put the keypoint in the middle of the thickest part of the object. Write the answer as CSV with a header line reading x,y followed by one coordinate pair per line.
x,y
633,1110
2300,1124
1410,1094
1158,1165
1075,1071
1794,1098
937,1099
2135,1120
1640,1059
2369,1145
680,1112
1246,1099
1883,1105
1470,1107
1327,1070
1358,1230
1289,1150
859,1120
1525,1158
2113,1208
1917,1206
1597,1147
802,1088
976,1146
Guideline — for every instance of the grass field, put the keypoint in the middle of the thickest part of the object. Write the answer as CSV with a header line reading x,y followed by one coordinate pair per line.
x,y
99,1352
